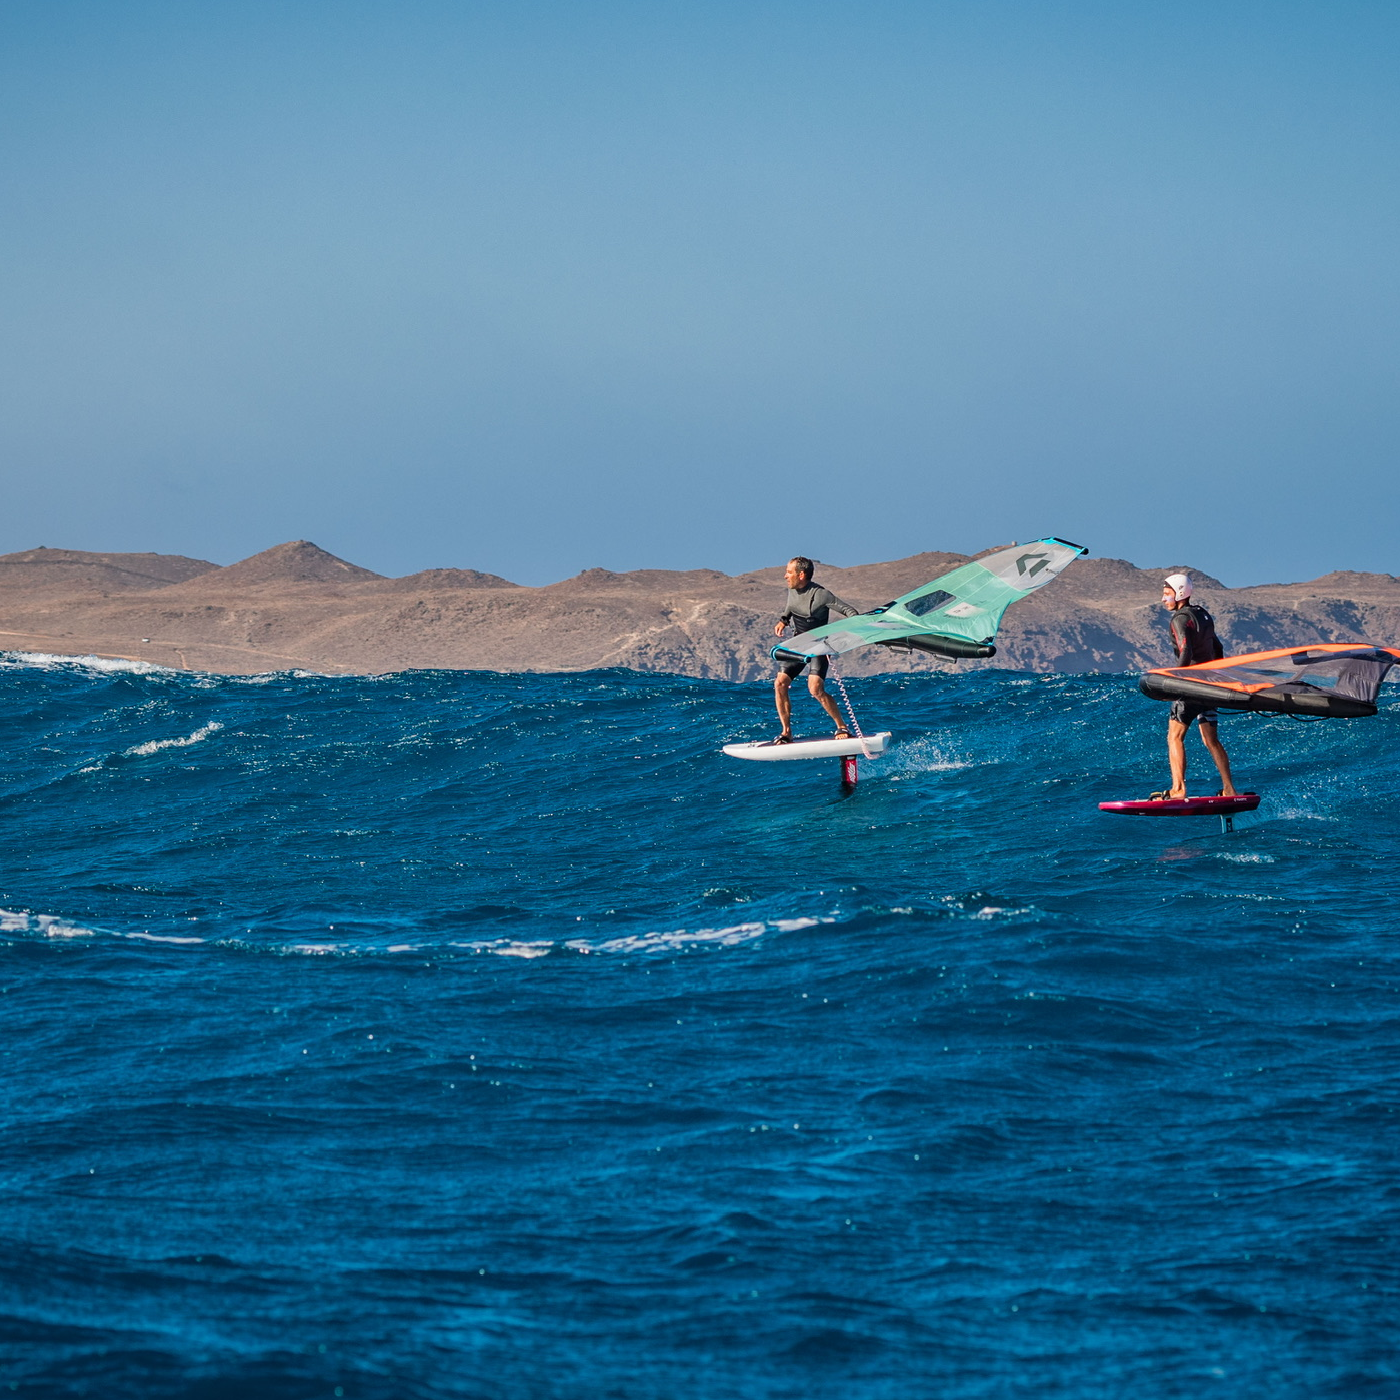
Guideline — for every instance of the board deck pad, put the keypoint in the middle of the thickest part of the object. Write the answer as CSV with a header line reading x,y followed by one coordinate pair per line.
x,y
1185,806
765,750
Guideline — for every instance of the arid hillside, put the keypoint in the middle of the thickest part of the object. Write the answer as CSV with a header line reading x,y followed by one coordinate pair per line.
x,y
297,606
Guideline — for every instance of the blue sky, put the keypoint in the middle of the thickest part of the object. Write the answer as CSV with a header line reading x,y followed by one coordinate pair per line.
x,y
535,287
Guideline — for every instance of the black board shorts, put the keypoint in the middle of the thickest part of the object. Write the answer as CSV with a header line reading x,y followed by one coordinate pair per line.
x,y
1185,712
794,668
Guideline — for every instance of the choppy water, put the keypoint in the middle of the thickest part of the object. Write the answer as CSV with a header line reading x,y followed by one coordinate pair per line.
x,y
458,1035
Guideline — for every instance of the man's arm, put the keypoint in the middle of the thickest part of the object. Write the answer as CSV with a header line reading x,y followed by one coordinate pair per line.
x,y
834,604
781,625
1180,627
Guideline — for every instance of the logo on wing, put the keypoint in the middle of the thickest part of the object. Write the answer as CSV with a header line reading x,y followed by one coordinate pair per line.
x,y
1031,564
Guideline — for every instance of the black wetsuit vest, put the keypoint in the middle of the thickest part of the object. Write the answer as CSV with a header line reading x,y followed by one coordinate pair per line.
x,y
1193,635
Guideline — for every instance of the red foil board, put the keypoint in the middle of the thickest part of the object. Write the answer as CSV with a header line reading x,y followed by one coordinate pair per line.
x,y
1185,806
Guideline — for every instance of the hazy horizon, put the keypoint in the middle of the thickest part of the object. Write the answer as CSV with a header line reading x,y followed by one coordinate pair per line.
x,y
1196,571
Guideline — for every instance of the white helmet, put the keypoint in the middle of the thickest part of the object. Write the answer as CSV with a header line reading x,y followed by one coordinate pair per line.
x,y
1180,585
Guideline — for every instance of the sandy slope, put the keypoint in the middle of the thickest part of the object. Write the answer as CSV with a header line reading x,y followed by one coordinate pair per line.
x,y
297,606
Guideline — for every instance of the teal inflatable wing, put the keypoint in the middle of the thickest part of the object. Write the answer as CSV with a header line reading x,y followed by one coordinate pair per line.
x,y
956,615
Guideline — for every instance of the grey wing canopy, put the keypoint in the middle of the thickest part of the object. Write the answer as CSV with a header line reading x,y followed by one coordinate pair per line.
x,y
1327,680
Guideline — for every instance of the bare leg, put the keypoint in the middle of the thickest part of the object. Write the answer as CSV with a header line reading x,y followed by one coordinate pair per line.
x,y
818,691
1176,754
1210,737
783,700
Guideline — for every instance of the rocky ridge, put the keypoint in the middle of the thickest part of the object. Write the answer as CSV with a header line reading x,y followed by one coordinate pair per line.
x,y
298,606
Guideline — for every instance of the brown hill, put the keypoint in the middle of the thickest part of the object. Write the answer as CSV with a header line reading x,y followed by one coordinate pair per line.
x,y
282,566
296,605
867,580
63,571
432,580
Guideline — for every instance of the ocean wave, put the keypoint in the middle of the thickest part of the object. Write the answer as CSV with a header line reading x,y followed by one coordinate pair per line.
x,y
45,925
156,745
520,1001
50,926
292,673
101,665
17,921
923,755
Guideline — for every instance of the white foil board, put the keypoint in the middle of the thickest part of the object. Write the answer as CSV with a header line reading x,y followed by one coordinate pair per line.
x,y
766,751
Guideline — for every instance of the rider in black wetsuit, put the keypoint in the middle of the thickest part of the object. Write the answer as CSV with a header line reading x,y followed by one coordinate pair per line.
x,y
808,606
1193,636
1193,632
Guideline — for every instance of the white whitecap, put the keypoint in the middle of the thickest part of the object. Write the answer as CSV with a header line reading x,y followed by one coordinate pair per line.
x,y
653,941
50,925
508,947
156,745
925,755
682,938
108,665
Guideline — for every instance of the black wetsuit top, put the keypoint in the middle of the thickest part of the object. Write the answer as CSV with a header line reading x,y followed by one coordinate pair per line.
x,y
1193,636
812,607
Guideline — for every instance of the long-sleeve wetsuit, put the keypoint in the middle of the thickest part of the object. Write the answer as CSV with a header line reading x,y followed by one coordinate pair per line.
x,y
1193,636
812,607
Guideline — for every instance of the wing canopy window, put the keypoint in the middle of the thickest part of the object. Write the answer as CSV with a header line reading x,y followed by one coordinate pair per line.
x,y
930,602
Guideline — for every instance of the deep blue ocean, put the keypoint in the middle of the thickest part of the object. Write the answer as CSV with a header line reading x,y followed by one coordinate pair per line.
x,y
468,1035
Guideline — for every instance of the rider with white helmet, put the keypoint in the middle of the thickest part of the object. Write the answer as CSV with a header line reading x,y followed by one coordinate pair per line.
x,y
1193,636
